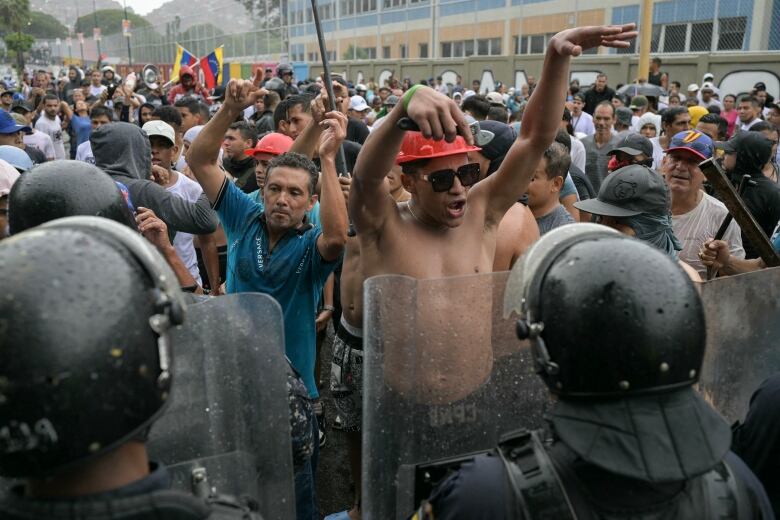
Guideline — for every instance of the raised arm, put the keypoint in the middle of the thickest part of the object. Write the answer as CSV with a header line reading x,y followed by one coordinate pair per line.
x,y
540,120
333,211
203,154
438,118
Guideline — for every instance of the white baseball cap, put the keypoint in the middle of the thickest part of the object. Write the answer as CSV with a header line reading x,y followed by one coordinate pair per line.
x,y
358,104
693,87
160,128
495,98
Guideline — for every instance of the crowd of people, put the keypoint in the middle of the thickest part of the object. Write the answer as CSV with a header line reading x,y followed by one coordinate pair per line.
x,y
245,189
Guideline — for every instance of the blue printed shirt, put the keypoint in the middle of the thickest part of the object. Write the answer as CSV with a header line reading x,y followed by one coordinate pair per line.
x,y
293,273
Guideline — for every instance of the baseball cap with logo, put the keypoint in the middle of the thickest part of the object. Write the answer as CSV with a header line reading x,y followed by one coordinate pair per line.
x,y
358,104
633,144
693,142
629,191
160,128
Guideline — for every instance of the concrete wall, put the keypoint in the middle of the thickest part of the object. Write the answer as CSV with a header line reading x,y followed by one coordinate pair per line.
x,y
620,69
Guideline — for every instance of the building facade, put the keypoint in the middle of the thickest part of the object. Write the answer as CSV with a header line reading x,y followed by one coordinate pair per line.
x,y
457,29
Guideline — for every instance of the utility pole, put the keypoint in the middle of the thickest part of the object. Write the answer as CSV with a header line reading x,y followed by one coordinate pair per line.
x,y
645,34
96,31
126,30
81,47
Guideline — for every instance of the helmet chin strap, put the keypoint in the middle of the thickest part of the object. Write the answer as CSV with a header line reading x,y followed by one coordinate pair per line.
x,y
532,331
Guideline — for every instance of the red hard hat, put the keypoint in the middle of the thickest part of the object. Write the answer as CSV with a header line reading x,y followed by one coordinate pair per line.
x,y
273,143
415,147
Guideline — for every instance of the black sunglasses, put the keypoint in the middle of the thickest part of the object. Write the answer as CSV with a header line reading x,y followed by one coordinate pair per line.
x,y
442,180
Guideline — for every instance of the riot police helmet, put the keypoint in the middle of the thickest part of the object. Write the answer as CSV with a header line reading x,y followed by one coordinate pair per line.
x,y
607,315
85,350
283,69
276,85
59,189
617,332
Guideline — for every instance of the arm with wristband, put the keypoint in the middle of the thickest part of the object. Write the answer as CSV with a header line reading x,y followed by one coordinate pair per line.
x,y
438,117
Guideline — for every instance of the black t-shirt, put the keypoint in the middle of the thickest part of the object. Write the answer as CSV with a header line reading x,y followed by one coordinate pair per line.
x,y
351,151
763,201
357,131
593,98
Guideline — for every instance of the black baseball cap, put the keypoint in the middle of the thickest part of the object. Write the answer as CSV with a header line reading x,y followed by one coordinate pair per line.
x,y
634,144
21,107
629,191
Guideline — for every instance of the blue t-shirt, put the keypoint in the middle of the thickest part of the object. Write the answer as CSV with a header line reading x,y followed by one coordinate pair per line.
x,y
83,128
293,273
312,217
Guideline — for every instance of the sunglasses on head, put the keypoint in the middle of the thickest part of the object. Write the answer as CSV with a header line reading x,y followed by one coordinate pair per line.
x,y
442,180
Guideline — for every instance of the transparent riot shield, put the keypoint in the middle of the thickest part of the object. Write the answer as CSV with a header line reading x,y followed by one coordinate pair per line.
x,y
743,327
444,376
227,428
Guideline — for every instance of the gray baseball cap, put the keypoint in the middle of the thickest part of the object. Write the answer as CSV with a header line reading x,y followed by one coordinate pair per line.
x,y
624,115
629,191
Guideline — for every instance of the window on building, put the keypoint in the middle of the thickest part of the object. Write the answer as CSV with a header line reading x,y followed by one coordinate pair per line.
x,y
495,46
655,39
402,49
457,49
423,50
701,37
674,37
446,50
537,44
314,56
394,3
386,52
468,47
483,47
732,33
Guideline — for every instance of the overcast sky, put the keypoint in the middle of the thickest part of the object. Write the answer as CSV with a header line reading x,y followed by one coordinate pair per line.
x,y
143,7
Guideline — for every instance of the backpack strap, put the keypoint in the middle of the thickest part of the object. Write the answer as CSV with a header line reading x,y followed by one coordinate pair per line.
x,y
538,491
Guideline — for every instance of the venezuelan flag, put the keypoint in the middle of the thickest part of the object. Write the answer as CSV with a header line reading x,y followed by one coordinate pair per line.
x,y
211,65
183,57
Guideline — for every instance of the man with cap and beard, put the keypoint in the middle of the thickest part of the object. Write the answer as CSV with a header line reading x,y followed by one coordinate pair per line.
x,y
746,154
629,437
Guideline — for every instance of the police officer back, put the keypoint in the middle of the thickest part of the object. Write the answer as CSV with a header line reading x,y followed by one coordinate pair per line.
x,y
617,333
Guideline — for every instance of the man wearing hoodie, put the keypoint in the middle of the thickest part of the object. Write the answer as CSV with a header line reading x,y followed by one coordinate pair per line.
x,y
123,151
188,87
747,153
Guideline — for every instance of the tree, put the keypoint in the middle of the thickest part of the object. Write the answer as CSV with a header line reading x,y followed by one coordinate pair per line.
x,y
44,25
15,18
109,21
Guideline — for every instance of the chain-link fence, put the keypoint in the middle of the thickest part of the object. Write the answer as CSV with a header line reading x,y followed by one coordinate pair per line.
x,y
245,35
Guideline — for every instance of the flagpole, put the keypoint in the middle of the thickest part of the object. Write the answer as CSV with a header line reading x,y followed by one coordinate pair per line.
x,y
342,168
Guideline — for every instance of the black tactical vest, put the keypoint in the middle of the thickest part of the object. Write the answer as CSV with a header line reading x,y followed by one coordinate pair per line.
x,y
546,487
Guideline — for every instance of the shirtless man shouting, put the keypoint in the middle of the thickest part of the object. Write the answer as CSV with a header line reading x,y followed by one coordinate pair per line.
x,y
448,228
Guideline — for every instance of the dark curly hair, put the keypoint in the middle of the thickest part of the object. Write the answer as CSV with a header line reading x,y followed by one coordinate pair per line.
x,y
299,161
